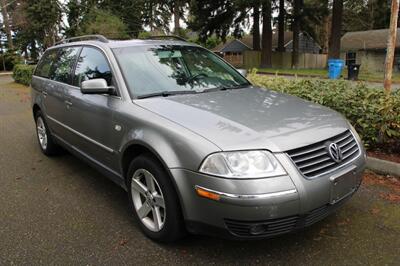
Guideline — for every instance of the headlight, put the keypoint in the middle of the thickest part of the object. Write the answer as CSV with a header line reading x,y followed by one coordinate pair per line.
x,y
242,164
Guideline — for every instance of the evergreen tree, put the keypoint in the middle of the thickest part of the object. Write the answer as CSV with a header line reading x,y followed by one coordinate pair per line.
x,y
336,30
266,51
281,26
104,23
219,17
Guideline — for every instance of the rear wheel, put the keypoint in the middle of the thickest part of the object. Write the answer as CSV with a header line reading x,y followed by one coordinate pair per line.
x,y
46,143
153,200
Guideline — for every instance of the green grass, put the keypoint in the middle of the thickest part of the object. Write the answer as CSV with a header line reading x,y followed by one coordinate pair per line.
x,y
323,73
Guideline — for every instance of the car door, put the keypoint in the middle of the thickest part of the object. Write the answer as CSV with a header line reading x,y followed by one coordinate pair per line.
x,y
53,96
59,81
91,115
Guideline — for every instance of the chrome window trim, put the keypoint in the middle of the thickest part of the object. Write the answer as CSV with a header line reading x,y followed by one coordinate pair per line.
x,y
81,135
82,45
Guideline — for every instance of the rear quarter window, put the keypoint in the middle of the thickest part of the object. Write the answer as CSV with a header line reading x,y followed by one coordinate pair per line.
x,y
44,67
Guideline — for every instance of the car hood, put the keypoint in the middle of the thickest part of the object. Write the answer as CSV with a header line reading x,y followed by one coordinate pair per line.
x,y
249,118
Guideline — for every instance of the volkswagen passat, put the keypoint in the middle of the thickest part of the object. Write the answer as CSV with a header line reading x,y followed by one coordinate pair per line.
x,y
197,147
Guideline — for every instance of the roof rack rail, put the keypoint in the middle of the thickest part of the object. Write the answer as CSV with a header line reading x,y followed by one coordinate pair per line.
x,y
96,37
166,37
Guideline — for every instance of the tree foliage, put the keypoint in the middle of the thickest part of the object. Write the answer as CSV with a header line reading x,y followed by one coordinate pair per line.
x,y
104,23
219,17
37,24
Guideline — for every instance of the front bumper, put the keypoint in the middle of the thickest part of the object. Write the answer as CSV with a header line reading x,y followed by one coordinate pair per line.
x,y
260,208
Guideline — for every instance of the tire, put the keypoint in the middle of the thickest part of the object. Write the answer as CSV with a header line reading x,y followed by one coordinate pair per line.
x,y
163,224
45,140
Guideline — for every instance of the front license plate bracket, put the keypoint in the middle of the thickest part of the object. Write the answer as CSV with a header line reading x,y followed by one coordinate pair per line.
x,y
343,184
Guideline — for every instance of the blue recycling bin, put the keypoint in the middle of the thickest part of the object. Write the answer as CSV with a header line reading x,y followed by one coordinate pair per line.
x,y
335,67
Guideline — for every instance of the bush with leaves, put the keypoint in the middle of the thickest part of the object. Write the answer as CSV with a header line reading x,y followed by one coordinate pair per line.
x,y
374,114
23,74
9,59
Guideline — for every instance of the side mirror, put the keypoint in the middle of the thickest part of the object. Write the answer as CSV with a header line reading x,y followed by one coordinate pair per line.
x,y
243,72
96,86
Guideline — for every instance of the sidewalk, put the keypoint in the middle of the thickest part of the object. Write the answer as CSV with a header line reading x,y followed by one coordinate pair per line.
x,y
5,73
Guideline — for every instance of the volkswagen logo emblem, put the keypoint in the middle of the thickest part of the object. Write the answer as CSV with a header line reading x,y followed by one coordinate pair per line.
x,y
335,152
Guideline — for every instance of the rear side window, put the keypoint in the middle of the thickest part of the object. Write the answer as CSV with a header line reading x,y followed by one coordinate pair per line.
x,y
61,69
45,65
92,64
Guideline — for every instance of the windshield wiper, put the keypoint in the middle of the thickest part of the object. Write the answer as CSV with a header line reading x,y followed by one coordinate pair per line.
x,y
223,88
165,94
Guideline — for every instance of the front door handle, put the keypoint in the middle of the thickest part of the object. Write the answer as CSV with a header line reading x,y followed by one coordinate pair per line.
x,y
68,104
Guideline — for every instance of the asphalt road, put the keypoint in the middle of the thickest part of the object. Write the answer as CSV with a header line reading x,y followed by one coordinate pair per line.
x,y
60,211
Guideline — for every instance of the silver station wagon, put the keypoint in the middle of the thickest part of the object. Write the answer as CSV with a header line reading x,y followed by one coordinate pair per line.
x,y
197,147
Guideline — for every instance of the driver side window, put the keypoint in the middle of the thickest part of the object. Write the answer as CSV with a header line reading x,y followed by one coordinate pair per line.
x,y
92,64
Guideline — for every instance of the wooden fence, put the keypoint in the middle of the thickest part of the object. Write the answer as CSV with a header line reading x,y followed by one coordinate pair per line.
x,y
252,59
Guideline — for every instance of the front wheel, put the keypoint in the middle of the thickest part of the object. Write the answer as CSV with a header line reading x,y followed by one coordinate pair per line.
x,y
153,200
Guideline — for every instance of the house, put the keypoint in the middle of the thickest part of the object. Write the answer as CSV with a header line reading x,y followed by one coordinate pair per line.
x,y
233,50
368,48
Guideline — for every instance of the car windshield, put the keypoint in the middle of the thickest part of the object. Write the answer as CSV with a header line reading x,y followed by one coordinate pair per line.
x,y
149,70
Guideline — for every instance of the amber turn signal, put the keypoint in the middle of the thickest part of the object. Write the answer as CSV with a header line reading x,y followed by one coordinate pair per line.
x,y
207,194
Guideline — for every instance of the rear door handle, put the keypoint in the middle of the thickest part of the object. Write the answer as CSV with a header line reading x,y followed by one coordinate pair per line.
x,y
44,92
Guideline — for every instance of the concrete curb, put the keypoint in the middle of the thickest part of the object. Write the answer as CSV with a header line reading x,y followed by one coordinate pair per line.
x,y
383,167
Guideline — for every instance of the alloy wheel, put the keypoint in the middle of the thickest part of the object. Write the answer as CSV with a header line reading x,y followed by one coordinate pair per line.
x,y
148,200
41,132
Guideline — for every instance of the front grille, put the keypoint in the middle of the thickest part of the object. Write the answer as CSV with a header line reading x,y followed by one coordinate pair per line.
x,y
268,227
314,160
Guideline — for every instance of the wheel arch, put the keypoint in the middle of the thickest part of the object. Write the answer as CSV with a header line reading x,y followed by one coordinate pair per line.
x,y
136,148
35,109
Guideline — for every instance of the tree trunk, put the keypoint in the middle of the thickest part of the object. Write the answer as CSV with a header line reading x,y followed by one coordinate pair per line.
x,y
7,24
296,33
266,52
151,20
176,17
336,30
325,34
256,27
33,50
391,46
281,26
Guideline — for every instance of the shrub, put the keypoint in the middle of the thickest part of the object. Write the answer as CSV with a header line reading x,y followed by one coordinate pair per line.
x,y
375,115
9,59
23,74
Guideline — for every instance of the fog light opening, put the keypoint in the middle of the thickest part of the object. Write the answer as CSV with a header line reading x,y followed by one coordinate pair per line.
x,y
258,229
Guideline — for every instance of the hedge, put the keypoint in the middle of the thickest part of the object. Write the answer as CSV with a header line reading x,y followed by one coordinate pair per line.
x,y
23,74
374,114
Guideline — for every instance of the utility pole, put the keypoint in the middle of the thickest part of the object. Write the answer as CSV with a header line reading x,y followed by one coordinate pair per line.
x,y
391,46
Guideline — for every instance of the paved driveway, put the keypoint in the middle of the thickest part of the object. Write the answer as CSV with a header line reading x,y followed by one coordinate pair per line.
x,y
60,211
